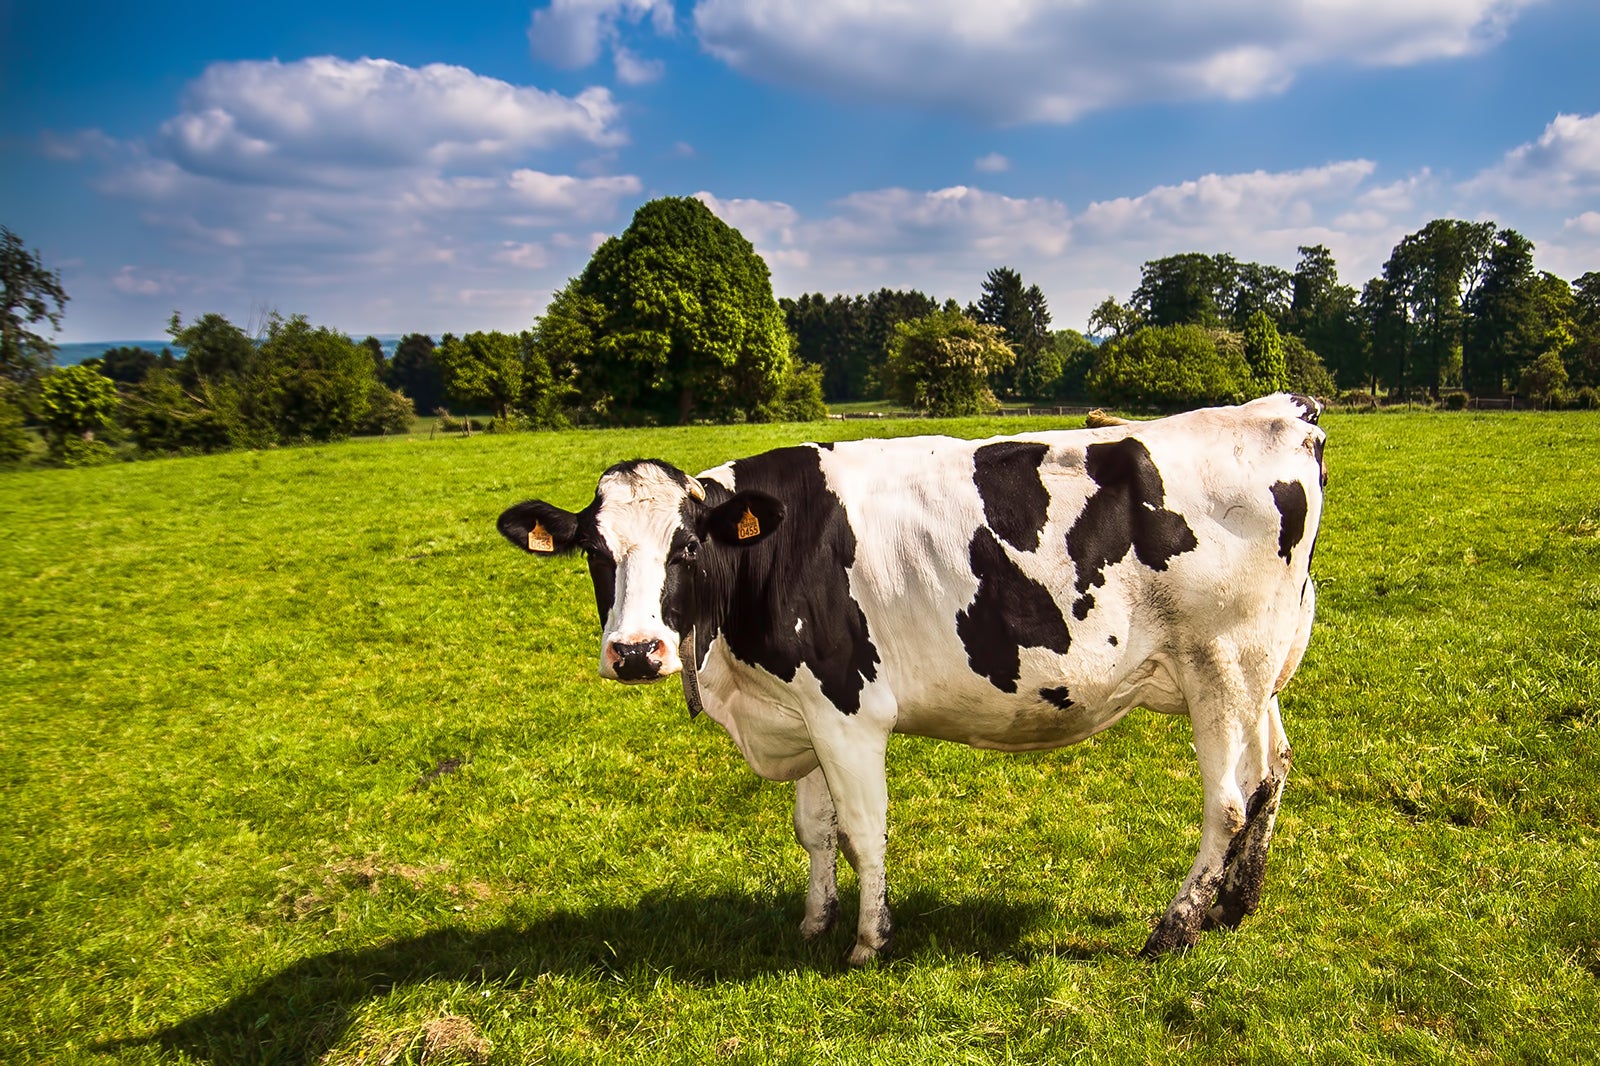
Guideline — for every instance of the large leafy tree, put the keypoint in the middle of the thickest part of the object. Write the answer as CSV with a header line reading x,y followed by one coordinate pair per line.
x,y
1583,357
307,383
484,369
1325,315
1431,277
1171,368
414,372
29,294
942,364
1024,317
687,326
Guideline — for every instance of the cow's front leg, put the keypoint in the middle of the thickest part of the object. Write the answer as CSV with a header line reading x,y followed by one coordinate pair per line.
x,y
1218,742
817,829
854,767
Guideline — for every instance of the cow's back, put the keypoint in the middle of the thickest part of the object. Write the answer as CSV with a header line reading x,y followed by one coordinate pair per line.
x,y
1027,591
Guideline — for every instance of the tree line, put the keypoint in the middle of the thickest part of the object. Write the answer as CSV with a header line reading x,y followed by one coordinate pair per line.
x,y
673,321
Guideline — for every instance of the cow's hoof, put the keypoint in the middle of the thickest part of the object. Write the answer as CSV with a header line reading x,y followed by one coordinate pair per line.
x,y
863,955
814,925
1169,937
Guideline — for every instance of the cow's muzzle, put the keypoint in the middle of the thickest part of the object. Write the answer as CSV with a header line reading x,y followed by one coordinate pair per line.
x,y
639,661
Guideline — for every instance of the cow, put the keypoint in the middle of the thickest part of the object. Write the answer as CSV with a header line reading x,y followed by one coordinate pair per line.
x,y
1016,593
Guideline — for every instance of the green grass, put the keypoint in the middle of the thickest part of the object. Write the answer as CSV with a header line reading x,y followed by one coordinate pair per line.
x,y
229,686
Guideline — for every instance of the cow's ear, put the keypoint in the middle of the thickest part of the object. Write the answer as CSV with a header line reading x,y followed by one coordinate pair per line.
x,y
744,519
537,527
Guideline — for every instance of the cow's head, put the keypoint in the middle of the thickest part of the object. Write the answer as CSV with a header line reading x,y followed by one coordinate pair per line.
x,y
651,535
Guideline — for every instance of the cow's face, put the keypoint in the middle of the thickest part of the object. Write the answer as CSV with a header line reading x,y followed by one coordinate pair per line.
x,y
649,536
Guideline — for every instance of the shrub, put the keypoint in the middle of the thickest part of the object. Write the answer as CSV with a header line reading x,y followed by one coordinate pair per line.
x,y
74,401
388,411
77,451
1586,398
15,442
1455,401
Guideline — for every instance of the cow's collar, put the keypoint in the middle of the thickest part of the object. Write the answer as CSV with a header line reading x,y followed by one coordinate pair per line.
x,y
691,673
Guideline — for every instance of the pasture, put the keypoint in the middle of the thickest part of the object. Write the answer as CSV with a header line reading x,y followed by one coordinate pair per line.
x,y
302,763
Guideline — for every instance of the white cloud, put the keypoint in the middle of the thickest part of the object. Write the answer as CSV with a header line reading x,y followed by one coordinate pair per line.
x,y
1560,168
140,281
993,163
76,145
943,241
1012,61
634,70
571,33
329,121
346,189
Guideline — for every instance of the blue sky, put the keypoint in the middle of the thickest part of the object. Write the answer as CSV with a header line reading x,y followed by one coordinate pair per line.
x,y
391,167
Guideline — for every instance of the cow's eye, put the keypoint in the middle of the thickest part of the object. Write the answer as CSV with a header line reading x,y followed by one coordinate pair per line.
x,y
691,549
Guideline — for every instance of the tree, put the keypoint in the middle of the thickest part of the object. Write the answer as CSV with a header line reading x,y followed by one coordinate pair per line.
x,y
75,402
1583,356
1111,319
129,366
1263,351
1021,313
380,363
1431,276
688,326
483,370
215,350
414,372
1075,354
1169,368
307,383
29,294
1545,379
1325,315
942,364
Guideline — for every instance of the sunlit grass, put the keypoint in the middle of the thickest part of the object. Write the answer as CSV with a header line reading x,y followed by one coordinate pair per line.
x,y
300,759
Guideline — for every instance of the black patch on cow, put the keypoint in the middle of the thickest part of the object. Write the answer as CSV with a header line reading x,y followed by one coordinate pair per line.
x,y
1111,641
1015,502
1124,512
1011,611
1057,696
786,600
603,573
826,445
1310,409
1290,497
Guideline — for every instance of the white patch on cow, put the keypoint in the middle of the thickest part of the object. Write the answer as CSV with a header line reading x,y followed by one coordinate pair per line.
x,y
639,512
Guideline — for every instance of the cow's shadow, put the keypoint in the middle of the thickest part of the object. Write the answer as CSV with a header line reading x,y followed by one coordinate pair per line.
x,y
299,1013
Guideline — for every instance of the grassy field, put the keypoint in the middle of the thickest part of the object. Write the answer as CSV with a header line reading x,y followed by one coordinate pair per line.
x,y
303,764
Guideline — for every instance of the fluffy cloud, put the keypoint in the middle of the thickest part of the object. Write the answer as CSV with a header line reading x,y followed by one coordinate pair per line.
x,y
571,33
1012,61
943,241
373,194
1562,167
330,121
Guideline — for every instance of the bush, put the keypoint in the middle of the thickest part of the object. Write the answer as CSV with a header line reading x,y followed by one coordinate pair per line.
x,y
388,411
15,441
163,417
1586,398
77,451
74,401
308,383
1170,368
1455,401
449,423
942,363
1357,398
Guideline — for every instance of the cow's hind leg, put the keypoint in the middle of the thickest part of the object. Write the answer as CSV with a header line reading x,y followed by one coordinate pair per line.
x,y
816,827
1226,709
1263,768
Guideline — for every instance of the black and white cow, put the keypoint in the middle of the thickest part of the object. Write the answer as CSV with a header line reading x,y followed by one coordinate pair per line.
x,y
1015,593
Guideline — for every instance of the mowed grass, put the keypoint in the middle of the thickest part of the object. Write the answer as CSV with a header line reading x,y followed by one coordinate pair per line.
x,y
301,763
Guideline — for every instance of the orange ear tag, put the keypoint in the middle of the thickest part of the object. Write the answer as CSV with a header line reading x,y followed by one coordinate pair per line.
x,y
540,540
749,526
